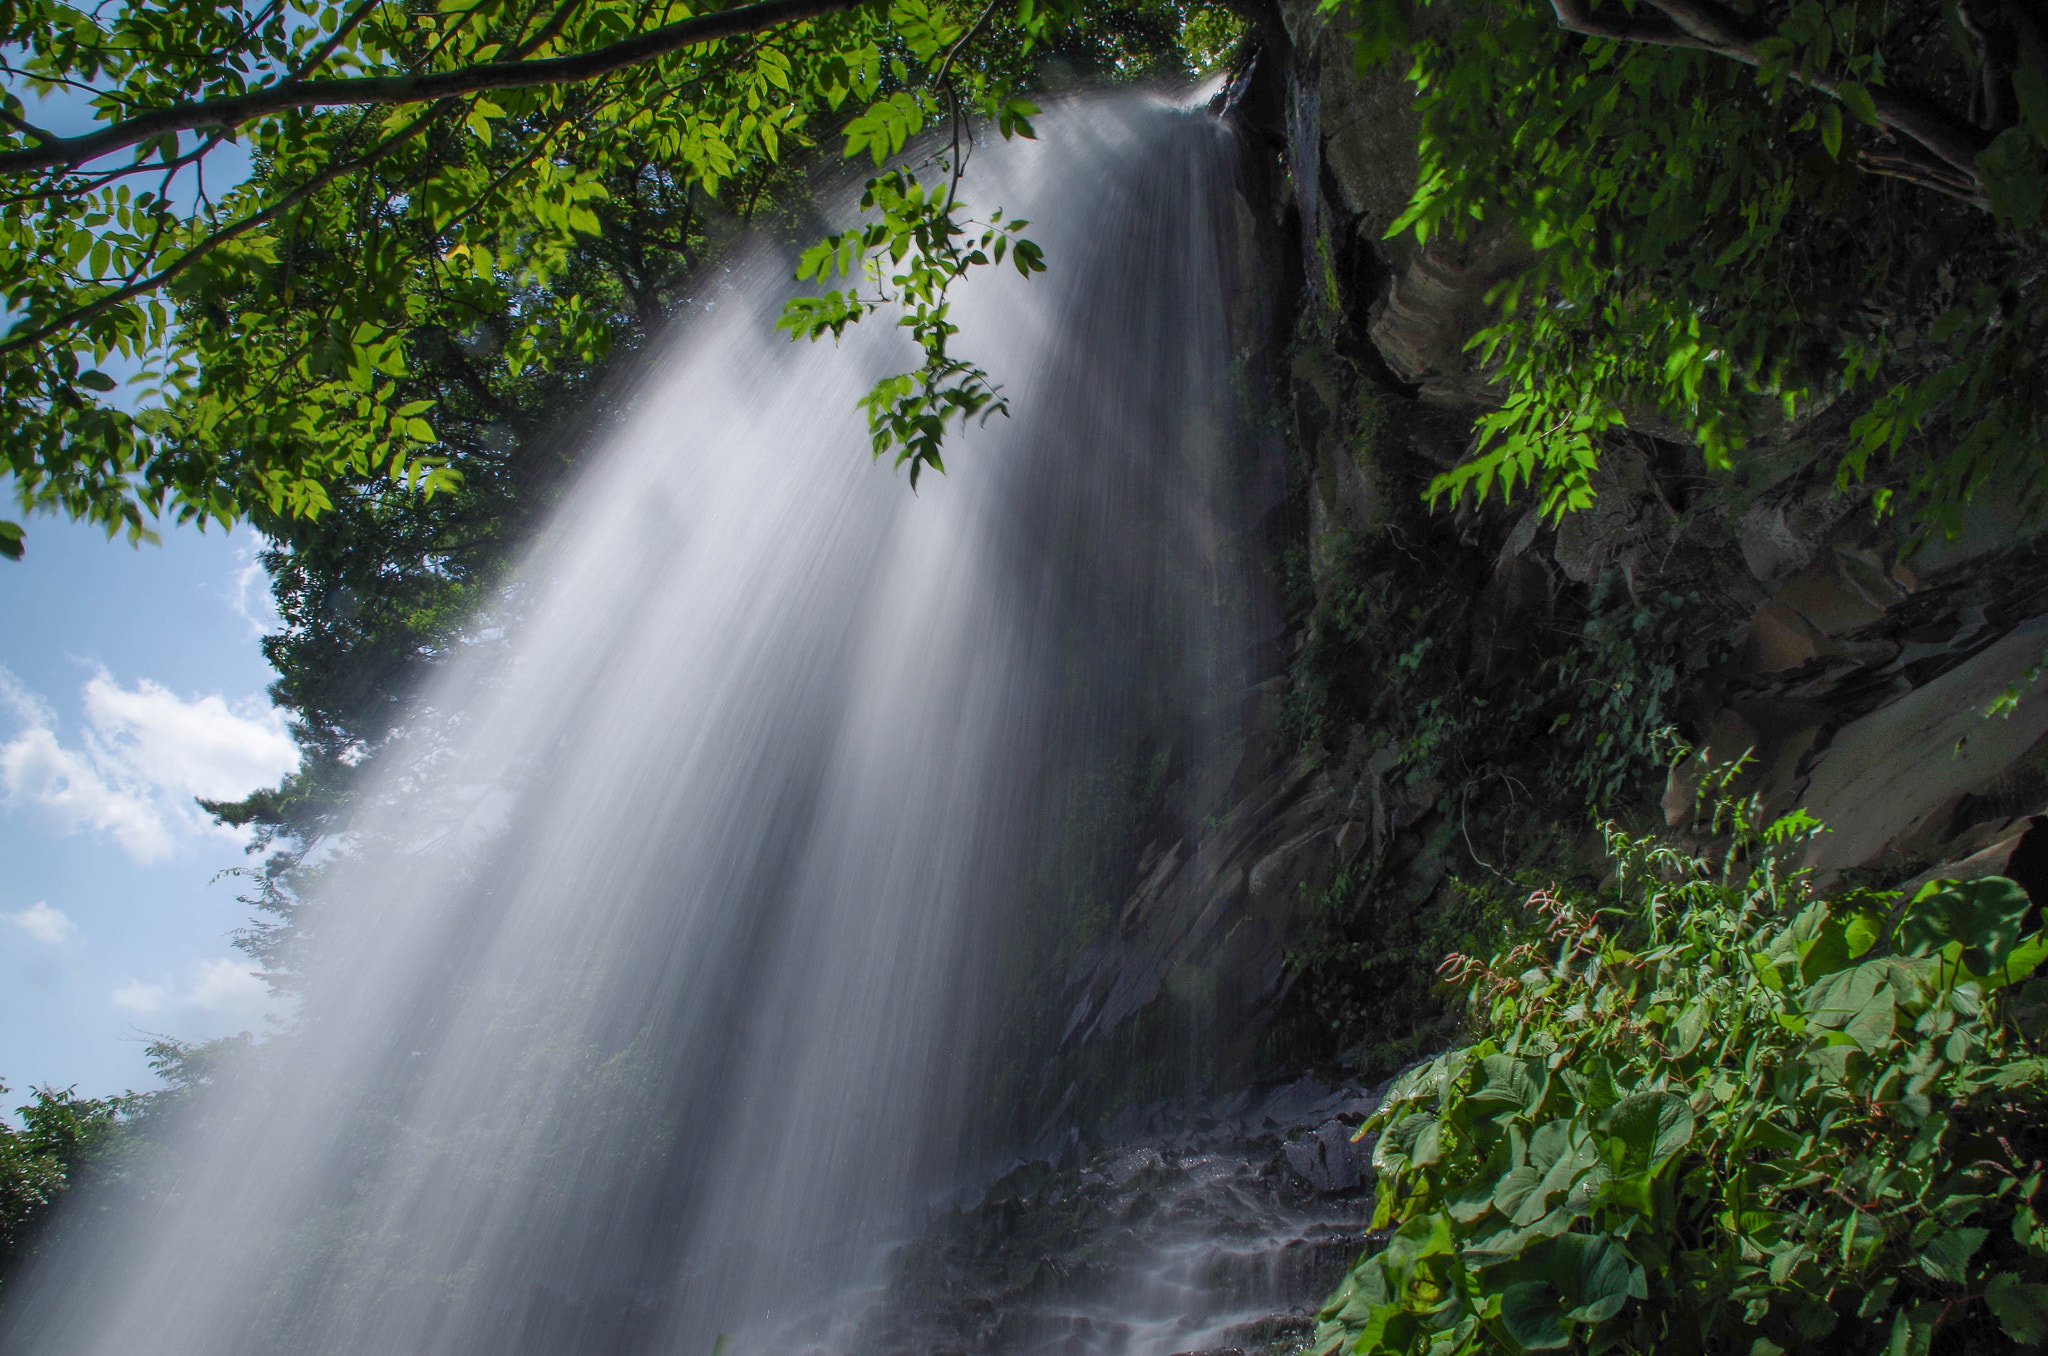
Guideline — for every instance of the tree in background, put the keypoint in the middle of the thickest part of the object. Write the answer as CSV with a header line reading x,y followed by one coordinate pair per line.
x,y
62,1140
66,1143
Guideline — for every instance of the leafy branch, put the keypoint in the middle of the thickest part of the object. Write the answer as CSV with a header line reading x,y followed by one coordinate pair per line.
x,y
65,153
916,247
1701,25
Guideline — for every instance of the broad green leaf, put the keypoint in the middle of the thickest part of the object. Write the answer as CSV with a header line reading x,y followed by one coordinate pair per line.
x,y
1512,1195
1593,1272
1984,916
1640,1133
2020,963
1473,1203
2021,1308
1520,1082
1859,997
1533,1314
1947,1255
1857,100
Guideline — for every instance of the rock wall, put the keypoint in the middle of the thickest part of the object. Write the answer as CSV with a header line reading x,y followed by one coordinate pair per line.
x,y
1845,667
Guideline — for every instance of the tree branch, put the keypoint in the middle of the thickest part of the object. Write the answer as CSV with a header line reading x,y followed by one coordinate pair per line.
x,y
1706,26
341,169
1574,16
312,64
70,152
1902,161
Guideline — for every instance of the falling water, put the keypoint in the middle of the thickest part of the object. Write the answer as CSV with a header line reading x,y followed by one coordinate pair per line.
x,y
655,995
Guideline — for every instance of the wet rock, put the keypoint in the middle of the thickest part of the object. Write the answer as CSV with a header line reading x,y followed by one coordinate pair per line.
x,y
1781,536
1289,1104
1884,774
1209,1239
1437,302
1616,530
1207,928
1327,1160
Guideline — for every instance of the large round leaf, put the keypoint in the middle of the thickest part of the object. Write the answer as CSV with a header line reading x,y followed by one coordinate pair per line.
x,y
1641,1132
1984,915
1533,1314
1595,1273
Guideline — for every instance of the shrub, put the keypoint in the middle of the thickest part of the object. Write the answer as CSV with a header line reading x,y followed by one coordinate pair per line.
x,y
1707,1111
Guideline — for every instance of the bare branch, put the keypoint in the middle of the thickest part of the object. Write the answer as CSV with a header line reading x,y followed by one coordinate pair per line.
x,y
1574,16
1921,170
70,152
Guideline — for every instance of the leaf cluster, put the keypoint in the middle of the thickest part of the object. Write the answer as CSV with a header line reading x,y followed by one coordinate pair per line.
x,y
1706,1111
60,1134
1730,248
420,167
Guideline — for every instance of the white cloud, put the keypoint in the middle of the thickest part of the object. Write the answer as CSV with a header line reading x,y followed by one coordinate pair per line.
x,y
251,598
228,987
199,747
225,991
42,923
36,769
139,997
143,756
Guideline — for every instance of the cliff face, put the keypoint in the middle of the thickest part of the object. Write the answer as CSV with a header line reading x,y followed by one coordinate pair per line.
x,y
1456,696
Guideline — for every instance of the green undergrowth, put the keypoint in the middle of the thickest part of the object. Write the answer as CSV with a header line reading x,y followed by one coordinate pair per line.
x,y
1571,699
1705,1110
1487,732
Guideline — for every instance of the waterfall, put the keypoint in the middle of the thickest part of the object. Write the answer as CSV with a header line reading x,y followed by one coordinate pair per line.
x,y
662,977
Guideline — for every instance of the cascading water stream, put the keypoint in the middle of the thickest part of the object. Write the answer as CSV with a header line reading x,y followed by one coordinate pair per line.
x,y
662,981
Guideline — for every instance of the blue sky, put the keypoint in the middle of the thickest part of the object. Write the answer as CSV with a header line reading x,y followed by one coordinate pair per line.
x,y
130,680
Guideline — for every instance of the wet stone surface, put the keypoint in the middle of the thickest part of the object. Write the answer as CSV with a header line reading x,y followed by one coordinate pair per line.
x,y
1210,1226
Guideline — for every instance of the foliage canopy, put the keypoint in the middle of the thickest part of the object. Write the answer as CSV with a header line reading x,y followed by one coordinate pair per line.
x,y
424,174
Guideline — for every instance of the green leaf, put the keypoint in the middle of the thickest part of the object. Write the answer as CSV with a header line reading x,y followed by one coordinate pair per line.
x,y
1473,1203
1511,1081
1857,100
1511,1193
1913,1330
1831,130
2030,87
1856,1002
2020,1307
2020,963
1983,915
1640,1133
1533,1314
2010,171
1947,1255
1593,1272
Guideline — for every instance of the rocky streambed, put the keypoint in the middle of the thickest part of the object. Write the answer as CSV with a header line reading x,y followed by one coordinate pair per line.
x,y
1213,1225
